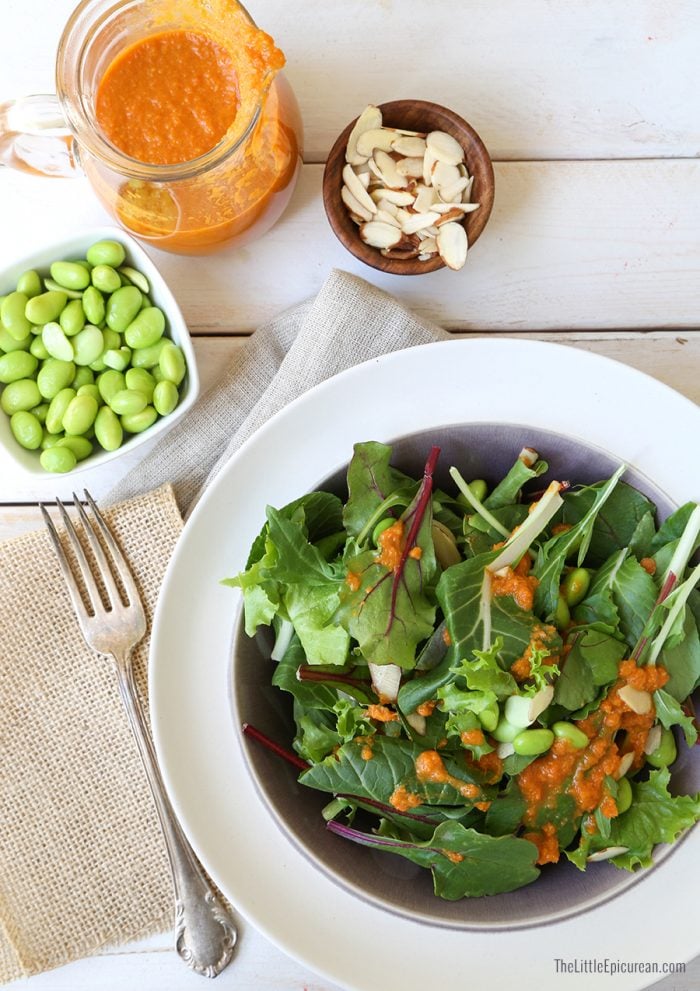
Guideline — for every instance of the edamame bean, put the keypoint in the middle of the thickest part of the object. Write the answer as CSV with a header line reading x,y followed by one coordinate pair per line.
x,y
505,732
38,349
29,283
46,307
141,380
122,307
562,616
88,345
135,423
8,343
108,429
26,429
117,358
17,365
80,415
22,394
90,389
128,402
105,278
575,586
665,753
111,340
53,376
83,376
58,459
80,446
40,412
69,275
106,253
623,799
72,318
567,731
49,440
147,329
93,305
532,742
172,363
166,398
110,383
57,287
14,317
149,357
379,529
56,342
57,408
136,278
487,717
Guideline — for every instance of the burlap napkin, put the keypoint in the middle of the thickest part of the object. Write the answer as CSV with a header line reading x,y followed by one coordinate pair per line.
x,y
82,864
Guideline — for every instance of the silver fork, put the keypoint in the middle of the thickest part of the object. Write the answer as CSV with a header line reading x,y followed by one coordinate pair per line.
x,y
205,934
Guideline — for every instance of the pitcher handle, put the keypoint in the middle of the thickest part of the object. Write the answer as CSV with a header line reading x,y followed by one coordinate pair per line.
x,y
35,138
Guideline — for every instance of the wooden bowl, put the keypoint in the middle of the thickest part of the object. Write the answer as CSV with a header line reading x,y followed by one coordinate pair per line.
x,y
417,115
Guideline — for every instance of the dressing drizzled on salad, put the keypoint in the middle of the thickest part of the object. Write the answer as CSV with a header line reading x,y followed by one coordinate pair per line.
x,y
500,680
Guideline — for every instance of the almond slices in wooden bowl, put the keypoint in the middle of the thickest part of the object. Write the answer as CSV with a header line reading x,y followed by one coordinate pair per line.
x,y
408,187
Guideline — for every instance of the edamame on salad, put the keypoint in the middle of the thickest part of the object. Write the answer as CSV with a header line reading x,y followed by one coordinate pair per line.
x,y
485,680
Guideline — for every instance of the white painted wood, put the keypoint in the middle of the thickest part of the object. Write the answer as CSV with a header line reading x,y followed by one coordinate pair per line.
x,y
569,246
672,358
542,79
586,252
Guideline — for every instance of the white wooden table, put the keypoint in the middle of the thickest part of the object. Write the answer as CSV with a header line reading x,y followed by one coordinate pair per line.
x,y
590,114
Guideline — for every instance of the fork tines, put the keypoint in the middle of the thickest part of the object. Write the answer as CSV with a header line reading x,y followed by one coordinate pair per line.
x,y
110,569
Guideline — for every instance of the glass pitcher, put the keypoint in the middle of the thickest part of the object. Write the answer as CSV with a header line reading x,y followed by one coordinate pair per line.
x,y
231,194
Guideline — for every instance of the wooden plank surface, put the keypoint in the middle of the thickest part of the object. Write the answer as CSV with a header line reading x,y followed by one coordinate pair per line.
x,y
544,79
569,246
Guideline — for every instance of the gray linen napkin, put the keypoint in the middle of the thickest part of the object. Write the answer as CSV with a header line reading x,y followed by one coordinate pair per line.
x,y
350,321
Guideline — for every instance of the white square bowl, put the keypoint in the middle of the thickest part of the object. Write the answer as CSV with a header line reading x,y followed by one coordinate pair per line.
x,y
175,329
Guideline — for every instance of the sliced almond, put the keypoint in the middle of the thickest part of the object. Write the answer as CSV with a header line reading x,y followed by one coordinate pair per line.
x,y
444,176
387,218
417,723
370,119
388,171
638,701
653,741
467,194
377,137
410,134
425,197
386,206
428,245
606,853
399,197
410,147
410,167
451,216
354,206
364,177
380,235
445,148
444,208
357,189
452,245
625,764
453,191
429,161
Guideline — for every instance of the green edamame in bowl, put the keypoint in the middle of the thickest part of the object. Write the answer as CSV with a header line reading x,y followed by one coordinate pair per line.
x,y
95,356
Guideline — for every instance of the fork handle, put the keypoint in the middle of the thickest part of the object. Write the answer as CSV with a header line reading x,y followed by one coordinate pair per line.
x,y
205,933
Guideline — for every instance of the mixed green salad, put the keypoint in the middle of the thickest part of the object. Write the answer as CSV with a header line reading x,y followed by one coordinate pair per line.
x,y
499,676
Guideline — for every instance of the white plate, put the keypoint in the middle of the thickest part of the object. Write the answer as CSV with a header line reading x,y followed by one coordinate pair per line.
x,y
350,942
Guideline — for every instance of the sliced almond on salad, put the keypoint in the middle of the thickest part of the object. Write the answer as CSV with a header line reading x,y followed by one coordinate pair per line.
x,y
638,701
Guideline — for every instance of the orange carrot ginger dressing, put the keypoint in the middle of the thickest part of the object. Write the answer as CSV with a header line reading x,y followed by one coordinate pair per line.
x,y
174,95
581,773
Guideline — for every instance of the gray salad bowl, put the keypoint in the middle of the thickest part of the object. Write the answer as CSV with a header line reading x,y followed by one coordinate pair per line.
x,y
384,879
